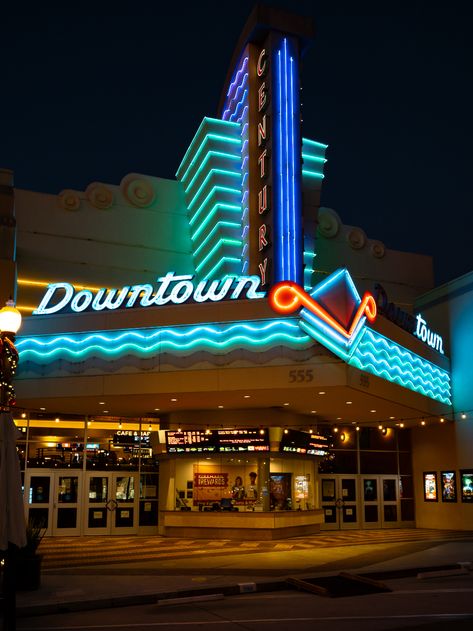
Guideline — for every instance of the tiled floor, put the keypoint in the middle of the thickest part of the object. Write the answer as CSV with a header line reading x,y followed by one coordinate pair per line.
x,y
67,552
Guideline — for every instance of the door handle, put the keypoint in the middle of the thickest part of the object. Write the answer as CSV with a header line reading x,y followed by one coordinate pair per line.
x,y
111,505
339,503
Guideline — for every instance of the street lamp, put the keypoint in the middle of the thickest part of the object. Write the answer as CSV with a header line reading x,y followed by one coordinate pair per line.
x,y
10,322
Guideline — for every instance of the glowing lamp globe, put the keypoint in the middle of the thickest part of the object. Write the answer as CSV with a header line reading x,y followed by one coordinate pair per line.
x,y
10,318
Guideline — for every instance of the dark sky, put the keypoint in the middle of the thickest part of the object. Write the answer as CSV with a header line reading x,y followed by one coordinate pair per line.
x,y
94,96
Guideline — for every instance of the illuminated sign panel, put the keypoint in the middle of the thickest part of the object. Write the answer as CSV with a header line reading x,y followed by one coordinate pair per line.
x,y
416,325
191,441
303,443
221,440
172,289
231,440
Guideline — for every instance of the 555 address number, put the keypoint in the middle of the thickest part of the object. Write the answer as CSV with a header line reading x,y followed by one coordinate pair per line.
x,y
301,375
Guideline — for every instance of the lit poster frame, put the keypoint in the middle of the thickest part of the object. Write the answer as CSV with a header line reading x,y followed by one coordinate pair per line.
x,y
430,486
466,485
448,485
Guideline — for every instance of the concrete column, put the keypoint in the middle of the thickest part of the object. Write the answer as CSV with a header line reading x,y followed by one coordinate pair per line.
x,y
7,238
263,482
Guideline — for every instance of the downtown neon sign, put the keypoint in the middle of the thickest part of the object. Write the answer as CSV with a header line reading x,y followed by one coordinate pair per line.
x,y
171,289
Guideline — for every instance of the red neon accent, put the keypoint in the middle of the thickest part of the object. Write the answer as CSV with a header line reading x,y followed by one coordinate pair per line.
x,y
287,296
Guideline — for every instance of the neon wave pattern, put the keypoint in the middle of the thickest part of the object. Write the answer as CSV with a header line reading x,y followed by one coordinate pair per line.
x,y
384,358
224,338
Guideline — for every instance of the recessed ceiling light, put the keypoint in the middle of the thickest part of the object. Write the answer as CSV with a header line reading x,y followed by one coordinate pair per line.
x,y
220,407
101,402
339,418
392,418
246,396
321,392
286,404
106,412
156,409
372,411
348,402
43,409
173,399
57,420
313,411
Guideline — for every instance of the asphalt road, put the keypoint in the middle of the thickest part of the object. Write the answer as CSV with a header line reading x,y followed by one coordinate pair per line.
x,y
429,605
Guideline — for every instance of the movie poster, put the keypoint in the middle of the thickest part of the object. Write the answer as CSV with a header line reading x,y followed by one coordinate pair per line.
x,y
430,486
448,482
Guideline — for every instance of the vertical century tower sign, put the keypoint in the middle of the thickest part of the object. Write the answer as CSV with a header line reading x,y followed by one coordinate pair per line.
x,y
262,94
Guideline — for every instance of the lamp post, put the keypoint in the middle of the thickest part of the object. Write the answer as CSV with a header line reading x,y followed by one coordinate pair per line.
x,y
10,481
10,322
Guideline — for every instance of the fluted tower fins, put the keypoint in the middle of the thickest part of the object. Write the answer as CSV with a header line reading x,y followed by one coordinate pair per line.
x,y
210,173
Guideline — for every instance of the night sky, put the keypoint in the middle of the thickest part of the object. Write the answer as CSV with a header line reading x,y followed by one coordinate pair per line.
x,y
94,96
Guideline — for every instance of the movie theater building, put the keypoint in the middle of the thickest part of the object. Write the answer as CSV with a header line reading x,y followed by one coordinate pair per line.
x,y
219,356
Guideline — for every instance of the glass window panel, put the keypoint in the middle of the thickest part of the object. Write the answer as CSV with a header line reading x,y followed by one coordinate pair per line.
x,y
330,514
389,490
67,489
348,490
38,517
148,513
370,490
124,517
344,462
378,462
407,510
405,463
349,514
390,513
67,518
125,490
39,489
371,514
98,489
97,518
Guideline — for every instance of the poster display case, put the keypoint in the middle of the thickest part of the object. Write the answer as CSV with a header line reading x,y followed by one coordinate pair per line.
x,y
430,486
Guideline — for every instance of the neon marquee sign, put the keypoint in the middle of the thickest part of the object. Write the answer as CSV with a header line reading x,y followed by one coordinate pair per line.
x,y
172,289
334,315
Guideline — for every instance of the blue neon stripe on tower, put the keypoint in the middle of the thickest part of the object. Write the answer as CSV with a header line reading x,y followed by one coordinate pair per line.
x,y
287,239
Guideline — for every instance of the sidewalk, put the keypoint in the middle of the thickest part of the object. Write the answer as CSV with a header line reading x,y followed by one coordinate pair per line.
x,y
180,572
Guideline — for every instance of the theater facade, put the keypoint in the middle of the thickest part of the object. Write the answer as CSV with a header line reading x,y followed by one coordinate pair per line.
x,y
220,356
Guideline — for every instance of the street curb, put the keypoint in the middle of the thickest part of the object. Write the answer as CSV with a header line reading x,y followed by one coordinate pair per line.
x,y
145,599
227,590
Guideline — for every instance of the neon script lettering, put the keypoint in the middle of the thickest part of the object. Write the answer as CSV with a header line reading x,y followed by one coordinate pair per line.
x,y
426,335
174,289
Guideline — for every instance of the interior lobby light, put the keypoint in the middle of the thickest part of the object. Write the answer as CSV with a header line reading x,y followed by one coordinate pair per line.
x,y
463,415
442,420
422,422
343,437
335,429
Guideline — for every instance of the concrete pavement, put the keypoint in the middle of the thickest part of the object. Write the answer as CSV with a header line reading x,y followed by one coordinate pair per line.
x,y
92,573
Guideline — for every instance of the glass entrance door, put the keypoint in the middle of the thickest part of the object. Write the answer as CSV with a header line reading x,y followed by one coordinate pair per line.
x,y
380,497
52,500
66,505
39,489
111,503
339,495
